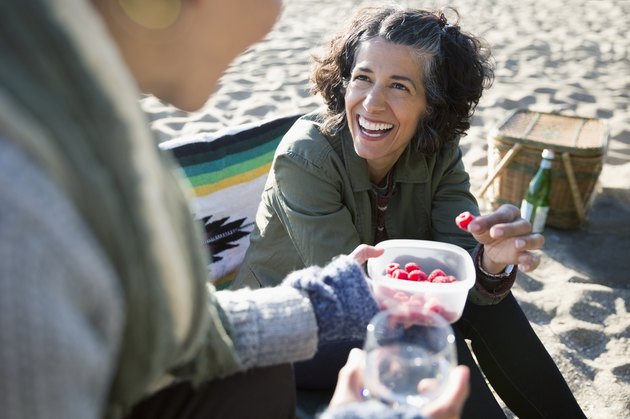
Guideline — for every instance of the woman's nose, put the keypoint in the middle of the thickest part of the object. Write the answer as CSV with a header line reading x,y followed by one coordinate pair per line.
x,y
374,100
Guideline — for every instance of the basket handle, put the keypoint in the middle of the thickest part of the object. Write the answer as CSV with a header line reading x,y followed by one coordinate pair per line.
x,y
499,168
575,192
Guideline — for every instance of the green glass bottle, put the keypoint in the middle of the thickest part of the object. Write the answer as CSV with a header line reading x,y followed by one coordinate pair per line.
x,y
535,204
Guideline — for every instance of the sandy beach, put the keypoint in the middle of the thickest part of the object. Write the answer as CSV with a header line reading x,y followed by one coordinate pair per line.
x,y
568,56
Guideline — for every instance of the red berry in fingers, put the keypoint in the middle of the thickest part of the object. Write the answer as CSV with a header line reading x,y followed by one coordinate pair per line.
x,y
435,273
463,219
412,266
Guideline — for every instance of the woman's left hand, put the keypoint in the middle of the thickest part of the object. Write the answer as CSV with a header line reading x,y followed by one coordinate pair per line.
x,y
507,239
363,252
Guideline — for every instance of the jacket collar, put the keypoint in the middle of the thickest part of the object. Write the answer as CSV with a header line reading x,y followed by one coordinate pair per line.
x,y
411,167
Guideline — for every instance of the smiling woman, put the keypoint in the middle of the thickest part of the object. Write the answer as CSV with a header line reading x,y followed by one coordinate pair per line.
x,y
381,161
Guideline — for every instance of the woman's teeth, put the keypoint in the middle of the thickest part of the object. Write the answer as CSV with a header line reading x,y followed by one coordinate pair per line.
x,y
374,126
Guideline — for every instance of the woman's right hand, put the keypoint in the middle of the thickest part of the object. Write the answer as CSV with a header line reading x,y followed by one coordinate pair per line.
x,y
507,239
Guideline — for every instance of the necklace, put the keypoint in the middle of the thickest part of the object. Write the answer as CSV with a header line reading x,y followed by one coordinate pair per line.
x,y
383,194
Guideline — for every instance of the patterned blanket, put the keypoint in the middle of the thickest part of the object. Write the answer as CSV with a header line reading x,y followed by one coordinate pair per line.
x,y
227,171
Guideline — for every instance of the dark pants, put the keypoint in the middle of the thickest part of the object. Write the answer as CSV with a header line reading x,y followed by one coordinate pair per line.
x,y
515,362
508,351
258,393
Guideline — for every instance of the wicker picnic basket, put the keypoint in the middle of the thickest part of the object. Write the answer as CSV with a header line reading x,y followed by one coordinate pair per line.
x,y
515,148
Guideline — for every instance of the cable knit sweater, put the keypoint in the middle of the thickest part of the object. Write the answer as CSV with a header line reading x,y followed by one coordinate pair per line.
x,y
62,309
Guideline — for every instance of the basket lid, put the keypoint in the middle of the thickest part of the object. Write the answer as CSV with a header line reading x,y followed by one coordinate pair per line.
x,y
564,133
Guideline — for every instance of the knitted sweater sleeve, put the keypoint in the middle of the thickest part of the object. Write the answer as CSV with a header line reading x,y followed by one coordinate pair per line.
x,y
312,306
270,325
60,305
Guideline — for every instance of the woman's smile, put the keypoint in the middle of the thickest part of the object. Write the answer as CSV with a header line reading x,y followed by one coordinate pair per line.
x,y
376,130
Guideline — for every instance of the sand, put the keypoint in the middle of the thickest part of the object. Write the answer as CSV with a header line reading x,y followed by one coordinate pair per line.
x,y
568,56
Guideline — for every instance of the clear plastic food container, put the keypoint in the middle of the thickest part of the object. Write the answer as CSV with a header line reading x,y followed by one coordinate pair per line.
x,y
407,297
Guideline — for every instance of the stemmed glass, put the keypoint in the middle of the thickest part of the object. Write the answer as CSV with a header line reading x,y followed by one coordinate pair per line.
x,y
408,357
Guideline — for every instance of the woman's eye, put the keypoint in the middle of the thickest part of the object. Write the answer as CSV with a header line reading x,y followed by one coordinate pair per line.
x,y
400,86
360,83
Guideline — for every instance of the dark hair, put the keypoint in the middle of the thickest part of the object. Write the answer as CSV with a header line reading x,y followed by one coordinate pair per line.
x,y
457,68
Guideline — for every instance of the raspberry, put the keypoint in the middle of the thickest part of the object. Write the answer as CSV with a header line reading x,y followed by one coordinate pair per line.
x,y
417,298
463,219
417,275
412,266
434,273
435,308
392,267
400,274
400,296
414,306
444,279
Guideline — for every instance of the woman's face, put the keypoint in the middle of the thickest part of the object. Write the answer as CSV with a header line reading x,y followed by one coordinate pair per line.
x,y
385,100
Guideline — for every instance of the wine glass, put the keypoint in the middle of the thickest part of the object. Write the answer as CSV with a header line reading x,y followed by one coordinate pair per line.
x,y
408,357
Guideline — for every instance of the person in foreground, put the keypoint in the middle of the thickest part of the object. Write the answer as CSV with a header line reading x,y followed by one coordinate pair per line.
x,y
105,308
382,161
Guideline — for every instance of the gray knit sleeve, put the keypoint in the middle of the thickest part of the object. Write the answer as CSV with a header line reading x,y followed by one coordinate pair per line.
x,y
60,305
286,323
270,326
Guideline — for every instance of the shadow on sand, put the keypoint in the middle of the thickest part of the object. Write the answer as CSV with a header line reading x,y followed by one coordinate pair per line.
x,y
600,250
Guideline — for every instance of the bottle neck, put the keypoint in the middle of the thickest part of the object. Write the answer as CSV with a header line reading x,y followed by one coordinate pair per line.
x,y
545,164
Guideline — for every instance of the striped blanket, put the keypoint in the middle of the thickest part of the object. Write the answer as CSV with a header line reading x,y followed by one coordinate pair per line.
x,y
227,171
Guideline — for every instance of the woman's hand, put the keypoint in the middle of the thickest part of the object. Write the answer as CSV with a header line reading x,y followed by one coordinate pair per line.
x,y
363,252
448,405
350,381
507,239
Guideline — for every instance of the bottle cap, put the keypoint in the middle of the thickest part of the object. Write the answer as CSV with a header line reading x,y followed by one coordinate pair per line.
x,y
548,154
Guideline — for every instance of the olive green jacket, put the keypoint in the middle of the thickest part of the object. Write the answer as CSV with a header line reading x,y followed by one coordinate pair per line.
x,y
318,202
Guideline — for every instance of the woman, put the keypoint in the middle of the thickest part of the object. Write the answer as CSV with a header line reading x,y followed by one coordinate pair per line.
x,y
104,307
382,162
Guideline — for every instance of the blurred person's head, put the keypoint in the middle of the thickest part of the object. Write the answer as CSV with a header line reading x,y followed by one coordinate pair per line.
x,y
178,49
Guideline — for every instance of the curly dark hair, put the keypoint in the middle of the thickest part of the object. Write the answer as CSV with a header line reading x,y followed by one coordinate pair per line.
x,y
457,68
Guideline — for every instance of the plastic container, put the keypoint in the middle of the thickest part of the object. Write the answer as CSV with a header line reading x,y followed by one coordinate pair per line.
x,y
407,297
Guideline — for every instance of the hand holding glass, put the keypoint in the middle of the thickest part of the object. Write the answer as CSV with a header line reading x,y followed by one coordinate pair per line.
x,y
408,357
